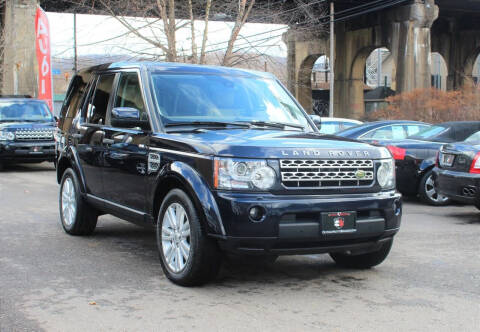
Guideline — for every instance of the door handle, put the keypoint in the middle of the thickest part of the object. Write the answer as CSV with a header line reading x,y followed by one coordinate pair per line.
x,y
108,141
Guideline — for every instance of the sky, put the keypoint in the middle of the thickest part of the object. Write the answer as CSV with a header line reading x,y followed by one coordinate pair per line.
x,y
98,34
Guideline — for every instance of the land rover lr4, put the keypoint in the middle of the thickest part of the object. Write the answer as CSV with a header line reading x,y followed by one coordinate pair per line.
x,y
218,160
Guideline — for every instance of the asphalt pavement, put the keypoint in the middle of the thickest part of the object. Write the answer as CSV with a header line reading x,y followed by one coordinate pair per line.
x,y
112,281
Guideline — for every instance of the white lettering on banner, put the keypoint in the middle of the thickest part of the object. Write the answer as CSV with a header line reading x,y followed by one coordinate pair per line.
x,y
42,29
42,47
45,66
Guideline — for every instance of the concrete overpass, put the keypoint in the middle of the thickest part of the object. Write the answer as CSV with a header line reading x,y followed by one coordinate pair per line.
x,y
410,29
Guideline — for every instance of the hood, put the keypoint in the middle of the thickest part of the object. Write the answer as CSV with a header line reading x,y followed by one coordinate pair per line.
x,y
13,126
271,144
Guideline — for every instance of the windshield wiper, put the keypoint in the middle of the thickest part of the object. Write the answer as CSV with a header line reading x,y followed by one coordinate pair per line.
x,y
276,124
207,124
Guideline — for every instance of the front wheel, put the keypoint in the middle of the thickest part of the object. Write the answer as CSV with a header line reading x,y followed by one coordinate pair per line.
x,y
188,257
363,261
428,193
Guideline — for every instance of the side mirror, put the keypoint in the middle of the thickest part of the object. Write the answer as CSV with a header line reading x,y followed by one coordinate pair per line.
x,y
127,117
317,120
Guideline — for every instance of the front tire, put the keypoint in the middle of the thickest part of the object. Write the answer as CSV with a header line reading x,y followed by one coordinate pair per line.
x,y
427,191
188,257
363,261
77,217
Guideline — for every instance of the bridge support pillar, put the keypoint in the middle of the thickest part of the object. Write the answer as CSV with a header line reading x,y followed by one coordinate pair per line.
x,y
411,28
19,74
303,50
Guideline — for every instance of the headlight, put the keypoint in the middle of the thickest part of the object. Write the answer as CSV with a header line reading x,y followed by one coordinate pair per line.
x,y
386,174
7,136
243,174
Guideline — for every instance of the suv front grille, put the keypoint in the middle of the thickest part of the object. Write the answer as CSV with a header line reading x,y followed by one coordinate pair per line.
x,y
310,173
34,135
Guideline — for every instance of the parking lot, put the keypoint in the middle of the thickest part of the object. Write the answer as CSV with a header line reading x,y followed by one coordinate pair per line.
x,y
113,280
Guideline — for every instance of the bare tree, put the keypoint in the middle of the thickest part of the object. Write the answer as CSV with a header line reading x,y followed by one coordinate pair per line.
x,y
2,41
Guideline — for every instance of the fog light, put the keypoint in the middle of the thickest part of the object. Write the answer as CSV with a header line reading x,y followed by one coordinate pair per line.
x,y
256,213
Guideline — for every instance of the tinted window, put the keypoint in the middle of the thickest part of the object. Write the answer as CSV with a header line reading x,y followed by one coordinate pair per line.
x,y
129,94
73,99
97,109
24,111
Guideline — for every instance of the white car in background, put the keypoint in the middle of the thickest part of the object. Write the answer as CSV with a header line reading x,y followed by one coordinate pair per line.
x,y
330,126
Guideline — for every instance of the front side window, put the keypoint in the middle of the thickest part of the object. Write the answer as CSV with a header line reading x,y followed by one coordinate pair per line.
x,y
97,109
129,94
25,111
387,132
217,98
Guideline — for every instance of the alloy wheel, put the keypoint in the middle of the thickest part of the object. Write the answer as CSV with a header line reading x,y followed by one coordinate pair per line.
x,y
432,193
176,237
69,202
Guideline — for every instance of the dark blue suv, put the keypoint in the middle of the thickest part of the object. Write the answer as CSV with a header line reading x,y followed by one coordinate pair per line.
x,y
27,129
219,160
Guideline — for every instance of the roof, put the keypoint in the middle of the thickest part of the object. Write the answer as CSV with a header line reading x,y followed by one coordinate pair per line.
x,y
170,67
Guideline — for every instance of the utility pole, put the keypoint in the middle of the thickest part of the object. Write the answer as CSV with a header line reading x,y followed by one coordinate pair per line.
x,y
332,59
75,57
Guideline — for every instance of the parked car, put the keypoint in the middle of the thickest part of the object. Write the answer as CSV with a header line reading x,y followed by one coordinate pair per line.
x,y
415,158
384,130
219,159
330,126
26,131
457,174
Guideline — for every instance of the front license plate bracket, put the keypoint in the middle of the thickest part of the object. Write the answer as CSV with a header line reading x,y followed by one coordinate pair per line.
x,y
338,222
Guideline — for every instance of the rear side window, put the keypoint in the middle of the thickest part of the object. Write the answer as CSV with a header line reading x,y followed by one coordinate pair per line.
x,y
129,94
388,132
97,109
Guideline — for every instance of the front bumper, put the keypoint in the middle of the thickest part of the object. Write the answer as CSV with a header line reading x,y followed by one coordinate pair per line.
x,y
459,186
27,151
292,224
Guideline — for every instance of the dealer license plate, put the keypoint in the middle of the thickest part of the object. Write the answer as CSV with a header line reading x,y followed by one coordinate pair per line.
x,y
36,149
338,222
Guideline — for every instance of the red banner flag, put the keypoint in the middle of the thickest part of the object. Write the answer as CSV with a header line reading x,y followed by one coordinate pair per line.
x,y
42,46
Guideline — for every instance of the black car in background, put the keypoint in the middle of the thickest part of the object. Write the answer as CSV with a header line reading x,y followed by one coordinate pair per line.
x,y
26,131
383,130
457,174
415,158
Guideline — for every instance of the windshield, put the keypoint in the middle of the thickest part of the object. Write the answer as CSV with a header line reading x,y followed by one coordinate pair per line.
x,y
429,132
194,98
33,111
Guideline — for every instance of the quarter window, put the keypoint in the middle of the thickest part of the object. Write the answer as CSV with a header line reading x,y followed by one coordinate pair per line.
x,y
97,109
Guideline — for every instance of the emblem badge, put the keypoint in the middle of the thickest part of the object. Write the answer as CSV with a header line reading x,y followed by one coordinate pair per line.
x,y
339,222
360,174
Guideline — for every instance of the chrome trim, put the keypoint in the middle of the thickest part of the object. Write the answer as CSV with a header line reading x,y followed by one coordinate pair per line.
x,y
195,155
90,196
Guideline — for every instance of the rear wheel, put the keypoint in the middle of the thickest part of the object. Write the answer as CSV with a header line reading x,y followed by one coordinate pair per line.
x,y
77,217
1,166
188,257
427,191
363,261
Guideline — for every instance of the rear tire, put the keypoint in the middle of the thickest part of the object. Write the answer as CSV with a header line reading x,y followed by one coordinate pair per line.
x,y
363,261
77,217
427,191
1,167
188,257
